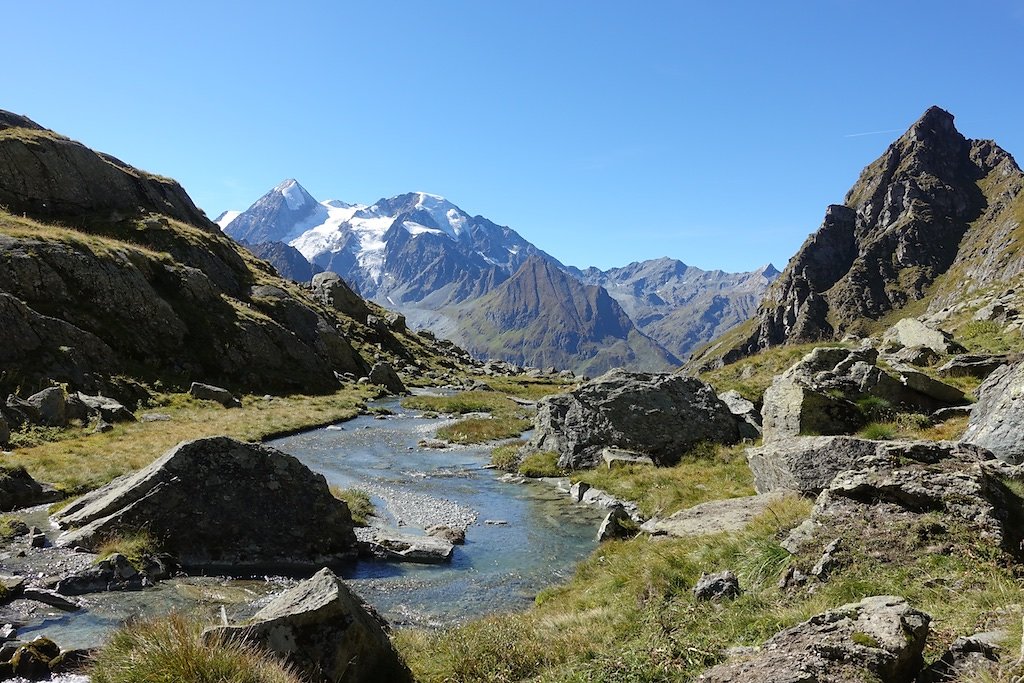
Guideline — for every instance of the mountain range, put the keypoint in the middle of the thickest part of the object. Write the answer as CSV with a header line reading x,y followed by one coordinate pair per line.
x,y
490,290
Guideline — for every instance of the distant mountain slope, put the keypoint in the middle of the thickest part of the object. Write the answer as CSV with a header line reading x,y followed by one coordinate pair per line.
x,y
287,260
542,317
680,306
934,220
137,283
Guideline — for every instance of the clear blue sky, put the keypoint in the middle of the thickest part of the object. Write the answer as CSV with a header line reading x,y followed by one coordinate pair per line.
x,y
604,132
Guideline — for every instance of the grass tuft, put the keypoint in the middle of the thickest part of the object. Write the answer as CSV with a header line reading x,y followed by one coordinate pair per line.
x,y
536,465
359,504
169,649
135,546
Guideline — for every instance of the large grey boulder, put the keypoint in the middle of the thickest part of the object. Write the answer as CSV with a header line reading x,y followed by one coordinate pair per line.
x,y
746,413
107,409
324,630
389,544
333,292
660,415
977,365
997,421
220,503
382,374
911,332
51,406
208,392
806,464
879,638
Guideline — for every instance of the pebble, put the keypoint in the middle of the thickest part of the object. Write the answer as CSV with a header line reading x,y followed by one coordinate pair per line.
x,y
421,510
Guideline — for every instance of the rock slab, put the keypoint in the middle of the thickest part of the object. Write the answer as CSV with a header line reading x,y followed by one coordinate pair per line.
x,y
997,421
217,502
325,630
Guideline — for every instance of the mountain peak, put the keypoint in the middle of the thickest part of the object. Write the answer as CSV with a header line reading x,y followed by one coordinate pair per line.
x,y
935,120
769,271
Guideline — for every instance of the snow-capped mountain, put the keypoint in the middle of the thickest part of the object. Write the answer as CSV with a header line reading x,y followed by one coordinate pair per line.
x,y
400,251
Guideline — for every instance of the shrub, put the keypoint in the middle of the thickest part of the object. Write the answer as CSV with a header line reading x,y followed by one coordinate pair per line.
x,y
170,649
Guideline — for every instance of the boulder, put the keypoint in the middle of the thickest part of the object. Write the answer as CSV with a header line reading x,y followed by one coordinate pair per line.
x,y
324,630
911,332
51,406
220,503
966,365
387,544
382,374
107,409
660,415
715,516
747,414
940,391
208,392
5,431
718,586
969,658
616,524
116,573
879,638
334,293
616,457
806,464
19,490
455,536
997,420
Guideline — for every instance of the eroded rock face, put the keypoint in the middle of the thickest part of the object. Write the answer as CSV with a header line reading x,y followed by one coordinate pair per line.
x,y
997,421
659,415
879,638
218,502
332,291
806,464
325,630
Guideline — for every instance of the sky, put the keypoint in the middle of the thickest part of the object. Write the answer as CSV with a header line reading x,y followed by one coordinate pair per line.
x,y
603,132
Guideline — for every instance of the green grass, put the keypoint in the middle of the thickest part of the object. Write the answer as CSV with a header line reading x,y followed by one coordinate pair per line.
x,y
169,650
912,426
481,430
878,430
751,376
530,388
987,336
507,418
135,546
706,473
463,402
11,527
506,456
536,465
359,504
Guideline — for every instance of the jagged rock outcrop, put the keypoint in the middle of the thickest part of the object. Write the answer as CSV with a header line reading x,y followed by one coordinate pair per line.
x,y
934,216
324,630
218,502
832,391
879,638
333,292
662,416
997,421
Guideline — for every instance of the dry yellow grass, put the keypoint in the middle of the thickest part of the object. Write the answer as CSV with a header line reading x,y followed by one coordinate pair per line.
x,y
82,460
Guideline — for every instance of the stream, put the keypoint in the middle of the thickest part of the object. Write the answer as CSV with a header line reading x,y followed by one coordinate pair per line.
x,y
520,537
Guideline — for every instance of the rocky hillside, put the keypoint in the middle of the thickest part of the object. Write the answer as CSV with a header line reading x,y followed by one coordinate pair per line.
x,y
107,271
934,221
287,260
543,317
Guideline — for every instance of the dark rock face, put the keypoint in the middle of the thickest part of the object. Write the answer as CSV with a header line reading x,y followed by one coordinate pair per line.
x,y
384,375
287,260
140,284
879,638
218,502
662,416
325,630
18,490
912,215
333,292
997,421
50,177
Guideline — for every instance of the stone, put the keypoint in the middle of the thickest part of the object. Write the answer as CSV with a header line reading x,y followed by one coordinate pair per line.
x,y
102,427
323,629
719,586
51,598
577,491
920,356
617,524
997,420
18,489
454,536
36,538
617,457
911,332
32,660
715,516
965,365
968,658
217,502
107,409
382,374
51,407
806,464
659,415
940,391
333,292
879,638
208,392
747,414
116,573
155,417
391,545
5,431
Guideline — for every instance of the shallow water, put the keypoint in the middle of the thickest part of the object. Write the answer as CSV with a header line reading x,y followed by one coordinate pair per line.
x,y
501,567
